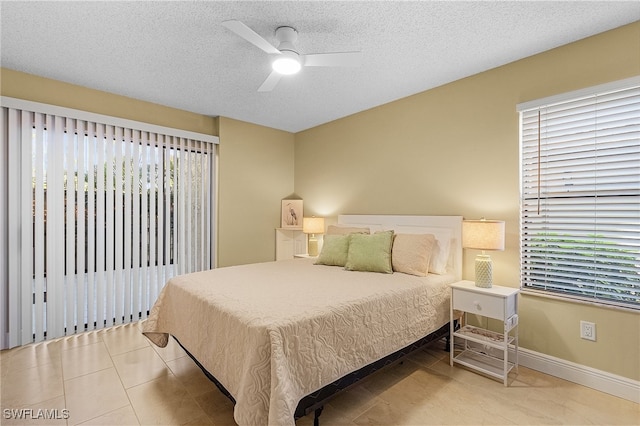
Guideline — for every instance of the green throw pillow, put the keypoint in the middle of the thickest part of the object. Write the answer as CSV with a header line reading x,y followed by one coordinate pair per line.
x,y
370,253
334,250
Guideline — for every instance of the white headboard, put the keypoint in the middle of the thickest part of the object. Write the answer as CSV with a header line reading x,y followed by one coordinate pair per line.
x,y
440,226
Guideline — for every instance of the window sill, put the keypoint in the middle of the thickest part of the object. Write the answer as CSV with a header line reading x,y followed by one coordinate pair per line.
x,y
577,300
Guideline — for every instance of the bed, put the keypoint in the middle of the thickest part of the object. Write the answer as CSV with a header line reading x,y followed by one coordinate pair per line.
x,y
281,337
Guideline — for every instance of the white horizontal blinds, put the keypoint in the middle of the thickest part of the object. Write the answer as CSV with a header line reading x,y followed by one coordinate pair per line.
x,y
96,213
580,212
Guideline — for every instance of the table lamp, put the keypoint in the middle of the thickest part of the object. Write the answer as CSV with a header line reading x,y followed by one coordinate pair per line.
x,y
313,226
483,235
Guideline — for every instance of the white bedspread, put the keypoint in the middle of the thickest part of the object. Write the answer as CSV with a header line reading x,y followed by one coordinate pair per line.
x,y
272,333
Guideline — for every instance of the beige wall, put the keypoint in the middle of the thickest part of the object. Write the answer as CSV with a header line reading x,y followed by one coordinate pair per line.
x,y
256,172
20,85
453,150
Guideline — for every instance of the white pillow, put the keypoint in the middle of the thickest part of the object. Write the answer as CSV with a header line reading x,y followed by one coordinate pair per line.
x,y
440,255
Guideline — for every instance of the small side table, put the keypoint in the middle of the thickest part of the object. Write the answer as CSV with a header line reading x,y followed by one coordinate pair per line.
x,y
497,302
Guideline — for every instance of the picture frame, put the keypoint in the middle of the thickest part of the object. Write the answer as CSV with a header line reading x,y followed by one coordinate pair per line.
x,y
291,214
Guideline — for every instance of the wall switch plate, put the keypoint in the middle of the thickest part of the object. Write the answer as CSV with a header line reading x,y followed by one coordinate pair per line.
x,y
588,330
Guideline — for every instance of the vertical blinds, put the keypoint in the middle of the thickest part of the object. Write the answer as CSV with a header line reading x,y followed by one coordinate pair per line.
x,y
104,215
580,205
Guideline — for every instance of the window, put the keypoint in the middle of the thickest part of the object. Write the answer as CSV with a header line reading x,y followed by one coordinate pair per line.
x,y
580,194
102,212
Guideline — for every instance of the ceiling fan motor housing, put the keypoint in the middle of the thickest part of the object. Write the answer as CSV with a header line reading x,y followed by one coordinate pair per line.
x,y
287,36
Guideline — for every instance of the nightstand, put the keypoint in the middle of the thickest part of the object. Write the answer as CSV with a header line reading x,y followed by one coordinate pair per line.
x,y
290,242
484,350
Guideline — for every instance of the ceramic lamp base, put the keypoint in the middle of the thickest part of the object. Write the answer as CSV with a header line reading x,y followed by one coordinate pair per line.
x,y
313,246
484,271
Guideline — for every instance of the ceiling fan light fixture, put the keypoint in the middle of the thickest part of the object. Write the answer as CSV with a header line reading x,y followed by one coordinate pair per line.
x,y
288,63
285,58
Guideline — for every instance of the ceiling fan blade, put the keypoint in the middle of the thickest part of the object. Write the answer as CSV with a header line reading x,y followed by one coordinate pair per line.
x,y
270,82
341,59
251,36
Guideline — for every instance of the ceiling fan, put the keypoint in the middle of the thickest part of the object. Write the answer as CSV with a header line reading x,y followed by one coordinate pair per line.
x,y
286,58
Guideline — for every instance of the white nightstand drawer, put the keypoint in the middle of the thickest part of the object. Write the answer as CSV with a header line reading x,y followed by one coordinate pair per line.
x,y
481,304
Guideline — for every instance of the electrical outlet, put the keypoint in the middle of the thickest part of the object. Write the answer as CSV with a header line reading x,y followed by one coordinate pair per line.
x,y
588,330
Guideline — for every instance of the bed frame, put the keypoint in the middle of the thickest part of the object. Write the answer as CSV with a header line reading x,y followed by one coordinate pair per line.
x,y
437,225
315,401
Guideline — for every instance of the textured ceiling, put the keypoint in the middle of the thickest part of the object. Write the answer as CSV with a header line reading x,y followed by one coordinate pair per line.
x,y
177,53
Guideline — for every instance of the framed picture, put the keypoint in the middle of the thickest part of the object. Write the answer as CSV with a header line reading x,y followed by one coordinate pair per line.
x,y
291,214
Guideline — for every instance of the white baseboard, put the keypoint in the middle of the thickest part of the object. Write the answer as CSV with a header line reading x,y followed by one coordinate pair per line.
x,y
596,379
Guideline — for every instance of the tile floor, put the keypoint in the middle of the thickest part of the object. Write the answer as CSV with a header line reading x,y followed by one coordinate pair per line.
x,y
116,377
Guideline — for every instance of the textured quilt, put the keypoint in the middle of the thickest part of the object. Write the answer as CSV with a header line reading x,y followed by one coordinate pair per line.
x,y
272,333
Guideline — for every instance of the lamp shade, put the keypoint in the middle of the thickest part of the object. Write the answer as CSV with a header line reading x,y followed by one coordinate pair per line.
x,y
313,225
483,234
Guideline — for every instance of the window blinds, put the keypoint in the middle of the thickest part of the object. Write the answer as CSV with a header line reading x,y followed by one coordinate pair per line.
x,y
102,216
580,197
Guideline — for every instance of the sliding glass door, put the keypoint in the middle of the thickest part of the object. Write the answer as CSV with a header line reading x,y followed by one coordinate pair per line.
x,y
105,215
